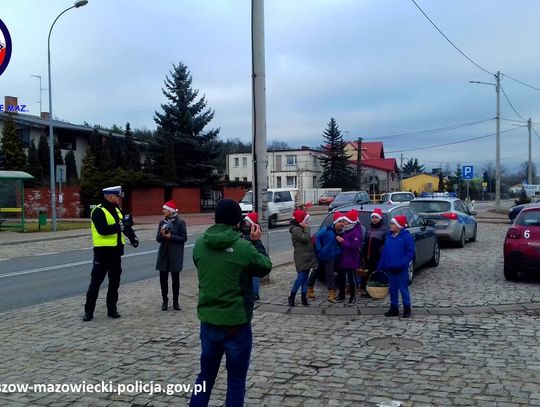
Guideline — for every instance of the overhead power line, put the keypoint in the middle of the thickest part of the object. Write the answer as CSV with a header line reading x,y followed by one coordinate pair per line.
x,y
510,103
523,83
429,131
451,43
451,143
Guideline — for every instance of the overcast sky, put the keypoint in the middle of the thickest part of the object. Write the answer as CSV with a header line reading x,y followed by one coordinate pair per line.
x,y
377,66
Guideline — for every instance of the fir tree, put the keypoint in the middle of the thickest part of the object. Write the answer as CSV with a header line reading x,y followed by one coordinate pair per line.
x,y
184,118
337,172
71,168
14,157
44,158
412,167
58,158
34,166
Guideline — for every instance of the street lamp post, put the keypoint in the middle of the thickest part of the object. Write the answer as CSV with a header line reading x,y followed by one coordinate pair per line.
x,y
77,4
498,135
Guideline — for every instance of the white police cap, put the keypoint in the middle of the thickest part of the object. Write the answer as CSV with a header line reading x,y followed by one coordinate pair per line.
x,y
117,190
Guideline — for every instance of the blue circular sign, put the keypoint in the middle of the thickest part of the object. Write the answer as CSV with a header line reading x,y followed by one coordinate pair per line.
x,y
5,47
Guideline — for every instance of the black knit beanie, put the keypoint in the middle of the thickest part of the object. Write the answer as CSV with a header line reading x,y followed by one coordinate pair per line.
x,y
228,212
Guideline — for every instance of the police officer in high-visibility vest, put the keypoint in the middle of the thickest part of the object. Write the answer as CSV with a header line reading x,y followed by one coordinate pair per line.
x,y
109,226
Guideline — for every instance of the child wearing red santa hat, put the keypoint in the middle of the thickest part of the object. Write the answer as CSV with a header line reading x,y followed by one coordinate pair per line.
x,y
304,255
397,254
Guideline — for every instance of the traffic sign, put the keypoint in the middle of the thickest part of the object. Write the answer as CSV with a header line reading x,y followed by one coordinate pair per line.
x,y
468,172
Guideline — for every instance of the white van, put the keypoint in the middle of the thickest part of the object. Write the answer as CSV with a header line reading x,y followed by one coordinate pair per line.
x,y
280,204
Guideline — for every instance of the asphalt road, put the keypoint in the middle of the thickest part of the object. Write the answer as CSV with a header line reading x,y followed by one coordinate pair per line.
x,y
37,279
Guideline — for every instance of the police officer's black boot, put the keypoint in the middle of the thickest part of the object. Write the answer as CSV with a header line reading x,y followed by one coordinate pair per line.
x,y
165,305
392,312
291,299
304,299
406,311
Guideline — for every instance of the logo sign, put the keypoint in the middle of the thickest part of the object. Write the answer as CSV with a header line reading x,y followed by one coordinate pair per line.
x,y
60,173
5,47
468,172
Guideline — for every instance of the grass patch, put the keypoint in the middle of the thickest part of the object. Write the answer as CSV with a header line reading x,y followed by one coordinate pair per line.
x,y
33,227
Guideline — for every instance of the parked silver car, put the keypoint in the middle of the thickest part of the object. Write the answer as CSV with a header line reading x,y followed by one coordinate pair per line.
x,y
454,221
397,197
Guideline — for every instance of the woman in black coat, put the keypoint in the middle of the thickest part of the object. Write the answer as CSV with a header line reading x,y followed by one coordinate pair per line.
x,y
171,235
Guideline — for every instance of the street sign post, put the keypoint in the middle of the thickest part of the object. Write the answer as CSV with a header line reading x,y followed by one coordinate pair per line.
x,y
468,174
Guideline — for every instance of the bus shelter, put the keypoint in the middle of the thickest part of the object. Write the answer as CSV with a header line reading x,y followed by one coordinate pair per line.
x,y
12,199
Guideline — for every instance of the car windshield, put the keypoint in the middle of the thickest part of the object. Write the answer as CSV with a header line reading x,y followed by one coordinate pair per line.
x,y
528,218
342,198
248,198
430,206
402,197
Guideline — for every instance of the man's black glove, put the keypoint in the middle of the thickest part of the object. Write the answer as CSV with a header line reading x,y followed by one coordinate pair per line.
x,y
134,241
128,220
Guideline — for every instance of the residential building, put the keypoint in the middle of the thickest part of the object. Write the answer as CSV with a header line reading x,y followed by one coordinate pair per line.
x,y
69,136
296,168
421,183
380,174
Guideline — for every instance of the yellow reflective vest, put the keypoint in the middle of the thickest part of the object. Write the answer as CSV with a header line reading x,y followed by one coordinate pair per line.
x,y
106,240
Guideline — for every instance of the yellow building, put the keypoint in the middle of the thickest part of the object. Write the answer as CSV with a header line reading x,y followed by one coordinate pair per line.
x,y
421,183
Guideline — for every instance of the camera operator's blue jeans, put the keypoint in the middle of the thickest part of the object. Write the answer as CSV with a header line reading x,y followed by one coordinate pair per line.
x,y
236,343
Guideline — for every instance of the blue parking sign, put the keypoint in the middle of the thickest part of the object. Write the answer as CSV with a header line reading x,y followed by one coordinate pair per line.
x,y
468,172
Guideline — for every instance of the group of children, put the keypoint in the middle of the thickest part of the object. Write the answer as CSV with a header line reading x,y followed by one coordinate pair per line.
x,y
338,250
333,254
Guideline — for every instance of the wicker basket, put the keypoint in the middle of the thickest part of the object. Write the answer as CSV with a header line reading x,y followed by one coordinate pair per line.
x,y
376,292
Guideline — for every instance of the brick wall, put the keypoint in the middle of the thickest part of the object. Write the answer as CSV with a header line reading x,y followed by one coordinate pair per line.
x,y
37,199
147,201
235,193
187,199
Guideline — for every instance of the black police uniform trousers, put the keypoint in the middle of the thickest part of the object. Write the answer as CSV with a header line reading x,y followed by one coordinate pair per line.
x,y
106,261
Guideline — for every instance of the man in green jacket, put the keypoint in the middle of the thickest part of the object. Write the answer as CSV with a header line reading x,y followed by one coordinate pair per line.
x,y
226,264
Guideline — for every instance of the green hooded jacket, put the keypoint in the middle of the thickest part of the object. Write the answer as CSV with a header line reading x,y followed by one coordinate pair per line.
x,y
225,265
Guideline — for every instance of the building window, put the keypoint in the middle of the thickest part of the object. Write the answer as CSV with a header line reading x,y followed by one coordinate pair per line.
x,y
245,179
291,159
314,182
278,182
237,162
24,136
237,178
291,181
67,142
244,162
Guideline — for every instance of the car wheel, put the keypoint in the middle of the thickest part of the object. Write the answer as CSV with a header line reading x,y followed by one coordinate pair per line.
x,y
410,270
473,238
272,222
434,262
509,273
461,241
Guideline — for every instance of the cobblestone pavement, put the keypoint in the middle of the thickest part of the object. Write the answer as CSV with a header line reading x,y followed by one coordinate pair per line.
x,y
472,341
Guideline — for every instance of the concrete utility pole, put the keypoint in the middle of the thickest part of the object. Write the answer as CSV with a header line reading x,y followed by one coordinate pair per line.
x,y
529,169
359,164
498,149
260,159
401,173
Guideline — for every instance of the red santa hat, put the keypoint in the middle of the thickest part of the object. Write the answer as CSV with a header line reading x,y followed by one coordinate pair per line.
x,y
170,206
300,216
377,213
351,216
337,217
252,218
400,221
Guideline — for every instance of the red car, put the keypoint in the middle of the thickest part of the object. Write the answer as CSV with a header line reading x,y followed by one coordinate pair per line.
x,y
328,197
522,244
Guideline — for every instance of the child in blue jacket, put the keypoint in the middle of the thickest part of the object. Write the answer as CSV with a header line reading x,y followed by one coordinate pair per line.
x,y
397,253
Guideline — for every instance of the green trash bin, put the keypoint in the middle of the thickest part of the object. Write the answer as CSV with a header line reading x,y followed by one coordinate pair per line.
x,y
42,219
